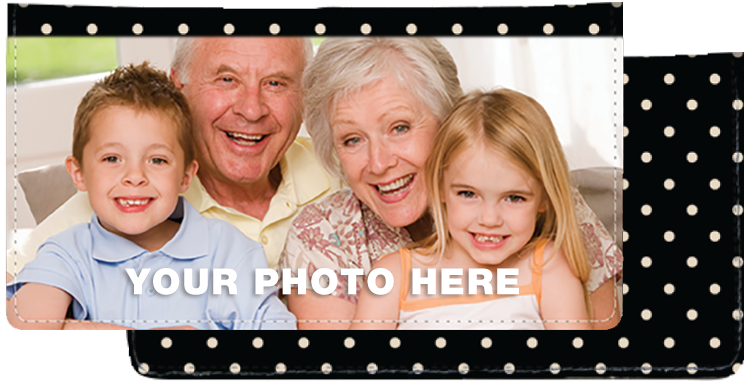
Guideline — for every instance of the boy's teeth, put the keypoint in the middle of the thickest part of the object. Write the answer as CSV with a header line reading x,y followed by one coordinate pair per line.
x,y
243,139
396,186
129,202
488,239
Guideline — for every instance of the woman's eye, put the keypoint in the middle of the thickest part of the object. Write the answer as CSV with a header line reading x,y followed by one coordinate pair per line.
x,y
158,161
515,199
401,128
352,141
111,159
466,194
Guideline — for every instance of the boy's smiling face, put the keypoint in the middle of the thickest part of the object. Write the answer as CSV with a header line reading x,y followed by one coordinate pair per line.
x,y
133,168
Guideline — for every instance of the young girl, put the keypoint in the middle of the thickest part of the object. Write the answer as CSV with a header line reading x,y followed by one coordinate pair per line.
x,y
500,198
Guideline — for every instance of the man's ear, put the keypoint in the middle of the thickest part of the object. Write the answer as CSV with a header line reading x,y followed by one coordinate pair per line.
x,y
187,178
175,78
76,172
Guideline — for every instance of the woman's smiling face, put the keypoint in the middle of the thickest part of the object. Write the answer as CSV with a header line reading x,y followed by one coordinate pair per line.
x,y
383,135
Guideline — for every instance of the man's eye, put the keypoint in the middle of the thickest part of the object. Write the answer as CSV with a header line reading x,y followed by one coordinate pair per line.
x,y
466,194
111,159
274,83
227,79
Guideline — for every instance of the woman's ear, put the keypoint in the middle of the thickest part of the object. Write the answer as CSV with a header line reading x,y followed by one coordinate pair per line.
x,y
76,172
187,178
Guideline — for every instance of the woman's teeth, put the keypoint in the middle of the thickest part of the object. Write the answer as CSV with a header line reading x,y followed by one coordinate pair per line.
x,y
243,139
488,239
395,187
130,203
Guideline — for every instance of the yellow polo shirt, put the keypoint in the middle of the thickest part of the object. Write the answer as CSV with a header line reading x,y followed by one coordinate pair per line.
x,y
303,181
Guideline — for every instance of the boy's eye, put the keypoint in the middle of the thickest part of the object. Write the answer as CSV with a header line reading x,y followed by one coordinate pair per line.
x,y
515,199
111,159
466,194
158,161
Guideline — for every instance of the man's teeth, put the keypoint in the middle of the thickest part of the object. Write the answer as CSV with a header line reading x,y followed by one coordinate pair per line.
x,y
130,203
396,186
243,139
488,239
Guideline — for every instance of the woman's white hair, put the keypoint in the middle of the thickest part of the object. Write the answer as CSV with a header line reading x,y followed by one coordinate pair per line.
x,y
185,47
344,66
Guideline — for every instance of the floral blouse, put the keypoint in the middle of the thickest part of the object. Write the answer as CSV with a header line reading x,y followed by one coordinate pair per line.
x,y
342,232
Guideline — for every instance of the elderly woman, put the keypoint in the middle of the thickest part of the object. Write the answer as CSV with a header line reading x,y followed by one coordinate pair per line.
x,y
373,106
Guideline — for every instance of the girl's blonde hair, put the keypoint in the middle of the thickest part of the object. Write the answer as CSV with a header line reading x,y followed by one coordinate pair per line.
x,y
516,127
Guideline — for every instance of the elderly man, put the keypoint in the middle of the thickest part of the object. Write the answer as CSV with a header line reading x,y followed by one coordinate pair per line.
x,y
245,95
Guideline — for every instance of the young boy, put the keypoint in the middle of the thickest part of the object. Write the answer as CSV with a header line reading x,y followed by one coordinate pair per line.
x,y
133,154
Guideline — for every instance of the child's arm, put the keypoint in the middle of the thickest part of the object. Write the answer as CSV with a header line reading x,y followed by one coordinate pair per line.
x,y
562,294
38,306
380,311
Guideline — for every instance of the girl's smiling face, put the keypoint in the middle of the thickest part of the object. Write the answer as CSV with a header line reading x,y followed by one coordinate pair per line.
x,y
491,205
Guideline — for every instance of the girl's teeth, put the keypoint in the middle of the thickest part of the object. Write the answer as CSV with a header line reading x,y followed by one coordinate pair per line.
x,y
488,239
394,187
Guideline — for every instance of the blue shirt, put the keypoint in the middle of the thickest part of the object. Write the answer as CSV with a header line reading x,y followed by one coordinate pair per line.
x,y
89,263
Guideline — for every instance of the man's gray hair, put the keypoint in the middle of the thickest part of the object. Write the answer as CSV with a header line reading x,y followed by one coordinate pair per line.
x,y
185,47
343,66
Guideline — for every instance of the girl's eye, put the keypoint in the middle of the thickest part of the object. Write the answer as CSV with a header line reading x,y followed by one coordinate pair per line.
x,y
466,194
352,141
158,161
515,199
111,159
401,128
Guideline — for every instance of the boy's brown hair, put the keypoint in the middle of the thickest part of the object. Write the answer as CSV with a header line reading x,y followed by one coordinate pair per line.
x,y
143,88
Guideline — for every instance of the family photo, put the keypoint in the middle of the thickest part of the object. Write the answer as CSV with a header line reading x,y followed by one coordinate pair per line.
x,y
386,183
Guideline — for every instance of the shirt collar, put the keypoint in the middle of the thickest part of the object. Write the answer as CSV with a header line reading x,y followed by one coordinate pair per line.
x,y
189,242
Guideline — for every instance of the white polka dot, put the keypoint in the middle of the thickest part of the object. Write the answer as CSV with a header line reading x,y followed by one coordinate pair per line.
x,y
646,261
692,368
692,314
258,343
715,184
594,29
320,28
737,314
646,104
457,29
502,29
548,29
669,184
228,29
737,54
46,29
554,368
646,314
303,342
691,56
143,368
395,342
737,210
411,29
601,368
463,368
692,105
440,342
737,105
234,368
417,368
715,78
646,368
274,29
737,157
669,289
714,342
349,342
183,29
189,368
578,342
714,289
646,210
692,210
366,29
91,29
625,236
372,368
715,236
617,4
625,289
669,78
212,342
736,367
715,131
166,343
669,131
692,157
24,5
692,261
532,342
646,157
669,236
669,342
625,184
737,262
486,342
509,368
623,342
625,131
137,29
625,78
326,368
